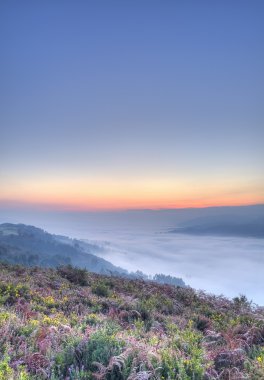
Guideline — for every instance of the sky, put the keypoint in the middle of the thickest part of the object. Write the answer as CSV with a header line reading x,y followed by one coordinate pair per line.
x,y
111,105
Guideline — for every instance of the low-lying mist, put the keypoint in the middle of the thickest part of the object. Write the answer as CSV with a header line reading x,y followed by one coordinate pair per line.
x,y
229,266
141,241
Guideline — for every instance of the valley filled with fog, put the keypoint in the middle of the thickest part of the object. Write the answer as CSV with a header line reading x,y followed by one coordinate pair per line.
x,y
230,266
142,240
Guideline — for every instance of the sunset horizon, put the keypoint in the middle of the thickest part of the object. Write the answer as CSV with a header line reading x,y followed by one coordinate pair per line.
x,y
100,114
101,207
131,190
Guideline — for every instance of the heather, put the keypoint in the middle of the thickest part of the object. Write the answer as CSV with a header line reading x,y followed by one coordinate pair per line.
x,y
67,323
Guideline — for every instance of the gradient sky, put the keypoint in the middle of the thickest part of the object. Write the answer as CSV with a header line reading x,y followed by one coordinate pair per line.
x,y
131,104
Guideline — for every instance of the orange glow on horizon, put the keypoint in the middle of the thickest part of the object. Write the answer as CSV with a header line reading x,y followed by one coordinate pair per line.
x,y
115,205
110,194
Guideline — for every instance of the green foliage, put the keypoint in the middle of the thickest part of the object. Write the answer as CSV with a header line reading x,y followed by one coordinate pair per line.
x,y
77,276
101,289
68,357
4,316
255,366
6,372
92,320
104,344
9,292
184,357
82,354
22,374
148,305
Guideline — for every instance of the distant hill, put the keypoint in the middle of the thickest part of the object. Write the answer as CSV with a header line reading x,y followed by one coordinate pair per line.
x,y
32,246
223,225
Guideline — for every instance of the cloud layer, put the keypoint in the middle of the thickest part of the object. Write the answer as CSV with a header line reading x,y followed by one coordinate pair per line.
x,y
140,240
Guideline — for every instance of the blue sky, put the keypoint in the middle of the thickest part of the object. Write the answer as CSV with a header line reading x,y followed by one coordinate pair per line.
x,y
167,96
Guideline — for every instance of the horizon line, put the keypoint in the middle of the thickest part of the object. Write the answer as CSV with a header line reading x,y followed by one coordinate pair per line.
x,y
64,208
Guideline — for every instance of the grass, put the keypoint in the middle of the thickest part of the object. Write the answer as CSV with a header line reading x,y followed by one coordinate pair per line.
x,y
74,325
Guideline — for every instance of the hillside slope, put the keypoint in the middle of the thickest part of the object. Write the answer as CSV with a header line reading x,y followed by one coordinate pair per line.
x,y
28,245
70,324
32,246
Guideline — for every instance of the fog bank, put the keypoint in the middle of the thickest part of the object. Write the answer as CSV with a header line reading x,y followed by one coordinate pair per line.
x,y
140,240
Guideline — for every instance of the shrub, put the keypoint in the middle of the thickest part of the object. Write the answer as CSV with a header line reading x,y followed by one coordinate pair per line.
x,y
4,316
241,302
82,354
75,275
92,319
22,374
185,356
103,344
6,372
202,323
100,289
9,293
145,308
